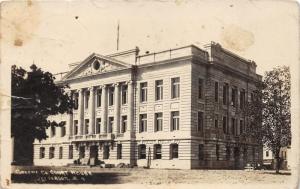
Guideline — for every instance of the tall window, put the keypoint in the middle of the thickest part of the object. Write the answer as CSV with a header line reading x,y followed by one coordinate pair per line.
x,y
143,123
241,126
111,91
159,90
42,152
60,152
158,121
76,97
119,151
224,124
98,125
71,152
228,153
200,122
201,152
175,120
142,151
53,131
233,96
200,88
110,124
175,83
267,153
157,151
216,91
143,92
98,97
75,127
51,152
124,91
63,131
87,125
124,124
216,121
106,151
174,151
242,98
225,93
218,151
233,128
86,99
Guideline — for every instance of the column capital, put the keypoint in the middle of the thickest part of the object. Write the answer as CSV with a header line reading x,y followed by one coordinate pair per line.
x,y
103,86
92,88
116,84
130,82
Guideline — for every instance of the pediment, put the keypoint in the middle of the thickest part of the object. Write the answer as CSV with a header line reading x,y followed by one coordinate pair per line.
x,y
95,64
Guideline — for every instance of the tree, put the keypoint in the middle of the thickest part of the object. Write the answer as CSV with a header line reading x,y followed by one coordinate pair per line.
x,y
276,111
35,97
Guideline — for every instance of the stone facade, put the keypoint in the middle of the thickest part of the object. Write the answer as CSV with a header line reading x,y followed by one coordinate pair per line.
x,y
181,108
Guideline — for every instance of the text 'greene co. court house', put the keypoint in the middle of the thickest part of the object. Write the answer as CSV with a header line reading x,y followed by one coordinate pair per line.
x,y
182,108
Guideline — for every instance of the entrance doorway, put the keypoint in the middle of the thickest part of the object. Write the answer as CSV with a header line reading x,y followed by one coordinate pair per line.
x,y
236,154
93,154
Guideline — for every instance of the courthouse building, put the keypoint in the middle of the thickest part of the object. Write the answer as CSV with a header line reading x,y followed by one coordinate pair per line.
x,y
181,108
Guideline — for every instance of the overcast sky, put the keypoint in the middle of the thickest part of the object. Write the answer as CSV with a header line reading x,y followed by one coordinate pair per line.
x,y
53,34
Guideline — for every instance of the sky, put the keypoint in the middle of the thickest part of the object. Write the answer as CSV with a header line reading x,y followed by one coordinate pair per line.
x,y
53,34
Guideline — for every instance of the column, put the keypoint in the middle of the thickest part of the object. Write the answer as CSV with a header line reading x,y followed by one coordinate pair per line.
x,y
92,110
104,110
80,111
117,109
130,107
69,123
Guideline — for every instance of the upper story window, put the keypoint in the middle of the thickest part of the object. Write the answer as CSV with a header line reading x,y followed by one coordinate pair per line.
x,y
157,151
267,153
234,96
143,92
216,91
200,122
224,125
242,98
111,91
143,123
87,125
225,93
98,97
233,126
76,97
75,127
175,87
123,124
216,121
53,131
241,127
110,124
175,120
86,99
159,90
124,91
63,131
42,152
98,125
200,88
158,121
